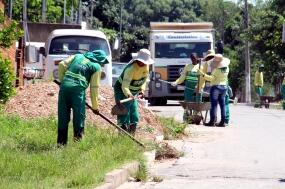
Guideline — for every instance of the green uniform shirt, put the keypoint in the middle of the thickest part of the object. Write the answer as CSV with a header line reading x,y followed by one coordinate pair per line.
x,y
78,71
219,76
133,79
190,73
258,79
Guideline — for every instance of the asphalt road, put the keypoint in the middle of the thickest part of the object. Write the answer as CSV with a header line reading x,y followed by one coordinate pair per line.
x,y
247,154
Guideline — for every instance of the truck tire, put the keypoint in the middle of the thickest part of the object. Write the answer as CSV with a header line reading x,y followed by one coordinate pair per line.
x,y
157,101
153,101
162,101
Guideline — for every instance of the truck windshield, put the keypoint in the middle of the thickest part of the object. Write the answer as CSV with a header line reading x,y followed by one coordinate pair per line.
x,y
180,50
77,44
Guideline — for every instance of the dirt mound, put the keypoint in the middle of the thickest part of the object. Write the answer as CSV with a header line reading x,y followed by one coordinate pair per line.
x,y
40,100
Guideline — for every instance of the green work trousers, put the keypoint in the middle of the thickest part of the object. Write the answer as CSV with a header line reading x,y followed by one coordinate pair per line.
x,y
259,90
190,91
283,95
132,117
190,96
71,98
227,107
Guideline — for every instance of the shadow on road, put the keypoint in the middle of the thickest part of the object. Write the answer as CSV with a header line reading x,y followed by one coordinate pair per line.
x,y
166,105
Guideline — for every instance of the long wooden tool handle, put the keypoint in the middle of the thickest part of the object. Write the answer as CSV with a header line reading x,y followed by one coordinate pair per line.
x,y
116,126
177,85
109,121
199,80
126,100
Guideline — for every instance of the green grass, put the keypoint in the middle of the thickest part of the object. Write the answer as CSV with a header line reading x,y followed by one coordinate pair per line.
x,y
29,157
171,128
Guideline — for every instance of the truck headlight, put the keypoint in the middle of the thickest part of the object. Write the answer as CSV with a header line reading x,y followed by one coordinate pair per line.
x,y
158,85
157,76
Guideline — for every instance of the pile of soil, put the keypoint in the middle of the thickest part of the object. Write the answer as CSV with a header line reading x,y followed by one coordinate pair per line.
x,y
40,101
165,151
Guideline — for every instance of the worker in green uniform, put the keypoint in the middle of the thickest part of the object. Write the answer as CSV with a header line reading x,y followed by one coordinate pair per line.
x,y
190,76
75,74
258,82
132,82
283,93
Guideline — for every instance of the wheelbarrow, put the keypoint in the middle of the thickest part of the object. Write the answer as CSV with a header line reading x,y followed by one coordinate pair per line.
x,y
264,100
198,108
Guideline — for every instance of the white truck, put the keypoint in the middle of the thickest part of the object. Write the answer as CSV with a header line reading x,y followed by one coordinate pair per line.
x,y
171,45
63,43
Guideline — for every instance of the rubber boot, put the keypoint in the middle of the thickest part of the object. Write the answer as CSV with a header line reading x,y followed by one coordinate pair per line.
x,y
125,127
61,137
132,129
78,135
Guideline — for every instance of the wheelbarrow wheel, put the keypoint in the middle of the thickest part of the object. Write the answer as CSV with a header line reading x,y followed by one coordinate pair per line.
x,y
197,119
266,105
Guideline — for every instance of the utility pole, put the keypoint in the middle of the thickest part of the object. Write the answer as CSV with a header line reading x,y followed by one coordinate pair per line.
x,y
121,10
79,12
91,14
64,11
247,58
44,10
10,9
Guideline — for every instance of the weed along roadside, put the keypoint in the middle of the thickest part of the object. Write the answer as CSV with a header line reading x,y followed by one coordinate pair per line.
x,y
156,152
30,157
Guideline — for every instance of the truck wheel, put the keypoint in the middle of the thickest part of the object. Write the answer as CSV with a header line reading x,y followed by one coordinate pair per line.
x,y
266,105
153,101
162,101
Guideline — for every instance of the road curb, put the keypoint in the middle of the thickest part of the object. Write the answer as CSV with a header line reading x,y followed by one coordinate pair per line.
x,y
117,177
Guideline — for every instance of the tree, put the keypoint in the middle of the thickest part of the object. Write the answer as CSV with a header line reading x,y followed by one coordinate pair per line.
x,y
265,34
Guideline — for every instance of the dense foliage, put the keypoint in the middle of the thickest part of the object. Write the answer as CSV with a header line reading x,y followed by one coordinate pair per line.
x,y
8,34
6,80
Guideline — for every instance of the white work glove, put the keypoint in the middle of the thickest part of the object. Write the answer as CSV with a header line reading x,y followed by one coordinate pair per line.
x,y
173,84
200,72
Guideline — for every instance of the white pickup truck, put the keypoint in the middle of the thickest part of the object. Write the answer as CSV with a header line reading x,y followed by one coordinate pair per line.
x,y
63,43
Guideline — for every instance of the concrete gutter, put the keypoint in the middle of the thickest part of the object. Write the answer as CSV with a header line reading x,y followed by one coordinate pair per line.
x,y
117,177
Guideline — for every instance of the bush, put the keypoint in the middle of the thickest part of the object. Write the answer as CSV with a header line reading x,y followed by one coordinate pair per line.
x,y
7,78
9,31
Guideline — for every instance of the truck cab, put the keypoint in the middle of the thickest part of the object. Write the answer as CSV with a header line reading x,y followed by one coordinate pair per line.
x,y
171,45
63,43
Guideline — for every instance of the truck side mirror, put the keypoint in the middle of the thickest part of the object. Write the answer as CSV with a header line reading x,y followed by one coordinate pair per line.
x,y
42,51
117,44
116,48
31,54
153,76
